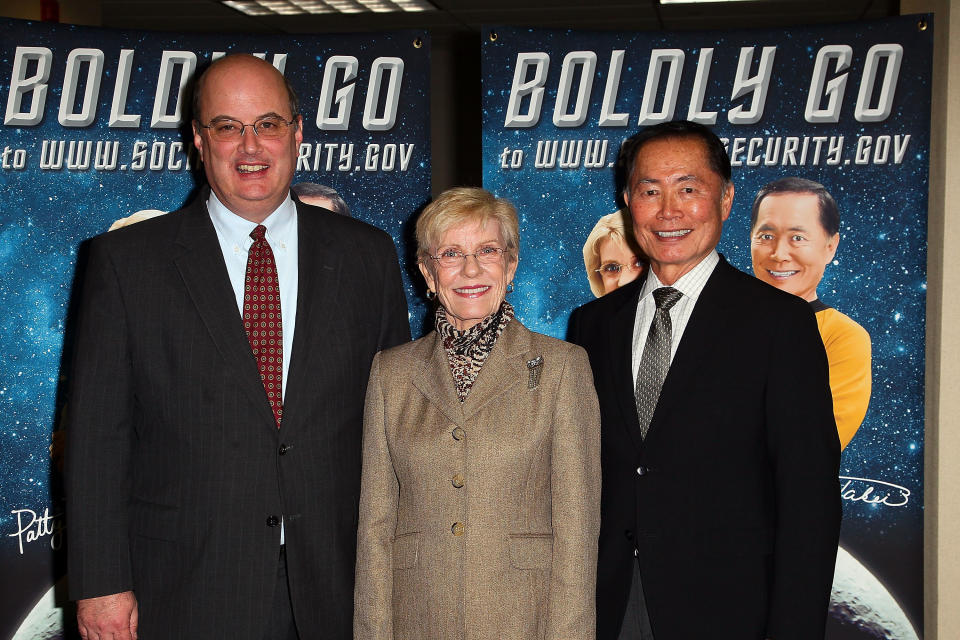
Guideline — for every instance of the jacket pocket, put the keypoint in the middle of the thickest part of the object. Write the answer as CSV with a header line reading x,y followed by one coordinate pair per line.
x,y
406,550
531,550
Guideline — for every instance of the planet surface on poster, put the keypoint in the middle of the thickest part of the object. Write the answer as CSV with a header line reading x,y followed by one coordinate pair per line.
x,y
45,620
862,608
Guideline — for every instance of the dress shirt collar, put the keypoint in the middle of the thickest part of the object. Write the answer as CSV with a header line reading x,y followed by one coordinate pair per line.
x,y
280,224
690,284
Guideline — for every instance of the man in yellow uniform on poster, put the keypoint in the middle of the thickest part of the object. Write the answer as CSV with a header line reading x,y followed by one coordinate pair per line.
x,y
794,232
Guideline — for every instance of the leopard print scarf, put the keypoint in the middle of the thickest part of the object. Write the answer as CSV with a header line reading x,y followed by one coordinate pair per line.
x,y
468,350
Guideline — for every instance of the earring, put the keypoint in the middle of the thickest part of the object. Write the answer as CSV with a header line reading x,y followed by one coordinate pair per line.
x,y
510,288
431,294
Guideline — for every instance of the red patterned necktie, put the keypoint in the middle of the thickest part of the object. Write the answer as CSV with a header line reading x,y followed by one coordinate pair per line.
x,y
261,318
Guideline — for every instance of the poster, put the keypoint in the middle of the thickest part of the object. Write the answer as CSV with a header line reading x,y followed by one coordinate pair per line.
x,y
93,132
843,105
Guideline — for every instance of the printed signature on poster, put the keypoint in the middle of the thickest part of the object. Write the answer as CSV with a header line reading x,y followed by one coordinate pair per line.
x,y
32,527
872,492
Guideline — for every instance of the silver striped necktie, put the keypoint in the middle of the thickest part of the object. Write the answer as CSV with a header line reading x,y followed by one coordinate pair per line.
x,y
655,361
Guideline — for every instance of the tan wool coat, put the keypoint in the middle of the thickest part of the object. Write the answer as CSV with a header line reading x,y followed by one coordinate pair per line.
x,y
479,521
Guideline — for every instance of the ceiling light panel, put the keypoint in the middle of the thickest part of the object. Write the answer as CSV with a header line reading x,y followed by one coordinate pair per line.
x,y
699,1
302,7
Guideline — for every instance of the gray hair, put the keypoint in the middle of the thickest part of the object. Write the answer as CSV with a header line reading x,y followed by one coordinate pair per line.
x,y
314,190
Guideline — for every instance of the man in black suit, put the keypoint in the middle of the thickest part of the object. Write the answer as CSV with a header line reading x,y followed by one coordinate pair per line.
x,y
720,505
206,497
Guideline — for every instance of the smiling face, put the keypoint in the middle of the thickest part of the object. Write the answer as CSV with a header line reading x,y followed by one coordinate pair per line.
x,y
251,176
613,251
789,247
470,291
678,205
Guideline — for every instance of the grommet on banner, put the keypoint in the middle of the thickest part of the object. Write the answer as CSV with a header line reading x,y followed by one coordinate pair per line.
x,y
922,25
493,36
417,43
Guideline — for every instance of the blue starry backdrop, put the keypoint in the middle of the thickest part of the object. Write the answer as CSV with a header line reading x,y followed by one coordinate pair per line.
x,y
53,202
877,171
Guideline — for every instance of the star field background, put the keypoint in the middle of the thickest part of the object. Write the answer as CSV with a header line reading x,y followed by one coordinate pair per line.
x,y
47,214
878,277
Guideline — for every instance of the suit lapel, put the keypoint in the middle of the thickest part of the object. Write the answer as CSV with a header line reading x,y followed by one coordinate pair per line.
x,y
707,324
505,367
434,379
317,286
621,359
205,277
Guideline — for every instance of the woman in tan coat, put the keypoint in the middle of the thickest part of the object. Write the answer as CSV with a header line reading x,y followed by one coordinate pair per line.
x,y
480,505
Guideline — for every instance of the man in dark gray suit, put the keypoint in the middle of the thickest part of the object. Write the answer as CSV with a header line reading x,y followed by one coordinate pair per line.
x,y
213,472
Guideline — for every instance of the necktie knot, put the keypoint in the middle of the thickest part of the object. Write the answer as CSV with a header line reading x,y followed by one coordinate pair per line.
x,y
666,297
258,233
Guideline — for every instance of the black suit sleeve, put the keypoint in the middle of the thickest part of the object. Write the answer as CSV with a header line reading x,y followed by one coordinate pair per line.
x,y
804,451
573,328
99,436
395,324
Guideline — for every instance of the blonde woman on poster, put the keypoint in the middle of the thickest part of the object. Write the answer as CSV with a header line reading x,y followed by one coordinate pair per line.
x,y
611,255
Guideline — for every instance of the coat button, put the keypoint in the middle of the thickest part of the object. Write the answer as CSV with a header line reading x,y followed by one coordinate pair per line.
x,y
273,521
283,450
642,470
457,480
458,433
457,529
628,534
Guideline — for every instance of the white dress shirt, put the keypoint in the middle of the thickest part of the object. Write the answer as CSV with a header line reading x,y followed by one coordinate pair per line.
x,y
233,232
690,285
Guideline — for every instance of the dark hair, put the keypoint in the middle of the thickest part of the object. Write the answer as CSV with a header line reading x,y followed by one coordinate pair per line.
x,y
199,82
829,214
312,189
627,158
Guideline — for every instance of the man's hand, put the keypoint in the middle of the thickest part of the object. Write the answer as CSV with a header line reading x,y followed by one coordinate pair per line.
x,y
112,617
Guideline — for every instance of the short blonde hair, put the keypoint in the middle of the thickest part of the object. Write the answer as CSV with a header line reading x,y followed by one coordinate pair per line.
x,y
612,224
463,204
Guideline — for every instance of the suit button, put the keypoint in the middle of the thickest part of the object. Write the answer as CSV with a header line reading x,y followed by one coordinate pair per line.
x,y
283,450
628,534
458,433
457,529
273,521
642,470
457,480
